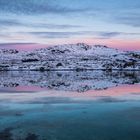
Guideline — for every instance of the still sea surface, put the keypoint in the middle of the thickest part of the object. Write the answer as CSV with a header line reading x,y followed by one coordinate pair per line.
x,y
70,105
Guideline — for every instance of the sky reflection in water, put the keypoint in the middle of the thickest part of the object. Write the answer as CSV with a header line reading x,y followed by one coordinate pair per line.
x,y
35,113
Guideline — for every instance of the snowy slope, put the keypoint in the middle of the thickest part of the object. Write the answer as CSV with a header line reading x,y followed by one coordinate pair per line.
x,y
70,56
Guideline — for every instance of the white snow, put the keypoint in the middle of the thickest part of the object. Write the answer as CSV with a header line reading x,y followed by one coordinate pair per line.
x,y
70,56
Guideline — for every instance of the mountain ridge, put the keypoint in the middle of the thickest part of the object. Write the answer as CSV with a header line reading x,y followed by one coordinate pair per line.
x,y
78,56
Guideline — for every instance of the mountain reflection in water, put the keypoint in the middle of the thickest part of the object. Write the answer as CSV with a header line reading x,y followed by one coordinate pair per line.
x,y
68,80
69,105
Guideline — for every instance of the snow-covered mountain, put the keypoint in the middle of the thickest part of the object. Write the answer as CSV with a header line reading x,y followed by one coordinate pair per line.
x,y
70,57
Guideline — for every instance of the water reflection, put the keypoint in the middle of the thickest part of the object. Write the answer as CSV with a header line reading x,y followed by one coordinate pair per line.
x,y
86,105
68,80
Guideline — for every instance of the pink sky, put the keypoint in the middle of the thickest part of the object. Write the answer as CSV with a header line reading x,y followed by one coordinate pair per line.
x,y
52,22
133,45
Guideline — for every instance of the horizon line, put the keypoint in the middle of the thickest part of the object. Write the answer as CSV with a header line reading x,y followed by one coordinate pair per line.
x,y
21,46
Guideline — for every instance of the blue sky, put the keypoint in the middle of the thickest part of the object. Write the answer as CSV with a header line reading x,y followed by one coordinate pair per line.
x,y
109,22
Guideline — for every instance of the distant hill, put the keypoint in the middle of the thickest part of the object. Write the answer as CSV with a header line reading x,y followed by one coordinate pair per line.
x,y
70,57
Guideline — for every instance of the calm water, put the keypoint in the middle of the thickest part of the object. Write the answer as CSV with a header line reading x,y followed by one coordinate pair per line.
x,y
85,105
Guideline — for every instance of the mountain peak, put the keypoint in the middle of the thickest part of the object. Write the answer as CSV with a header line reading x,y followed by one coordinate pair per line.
x,y
100,46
